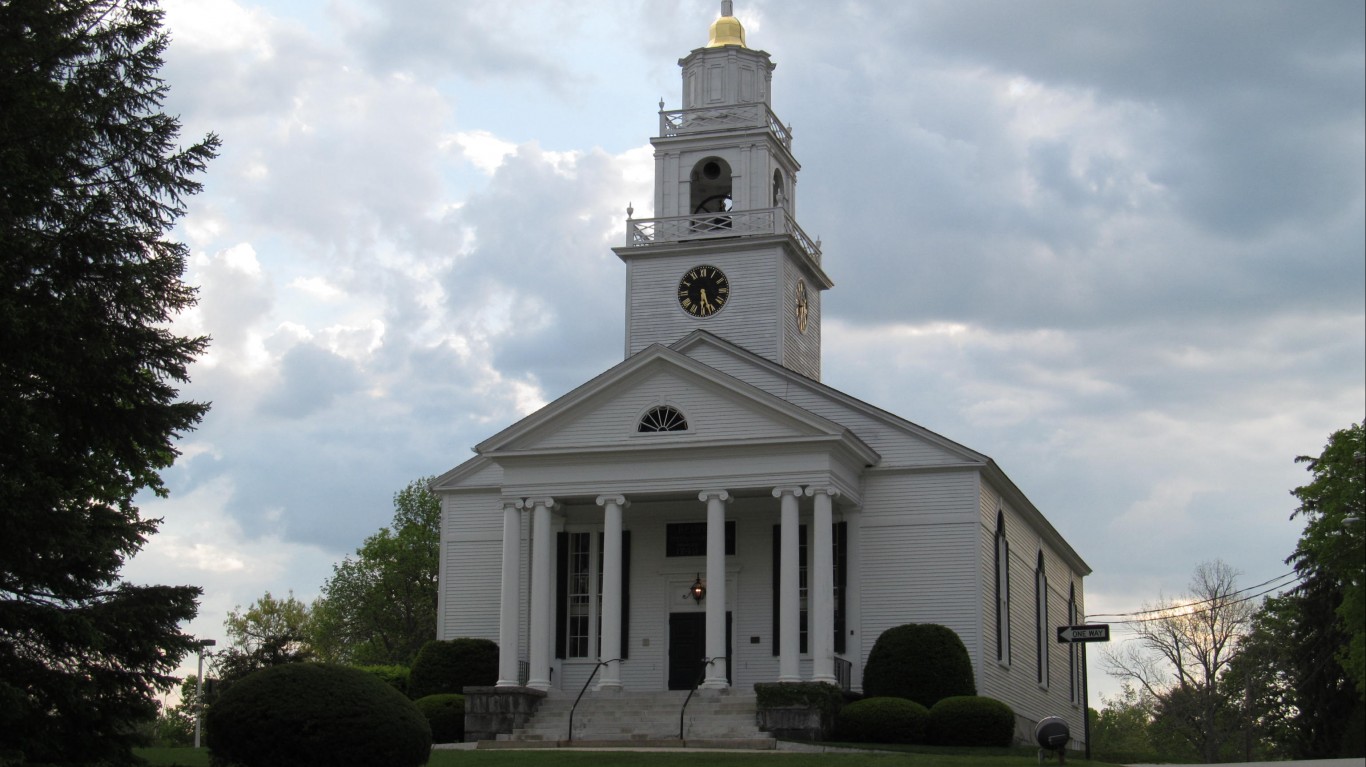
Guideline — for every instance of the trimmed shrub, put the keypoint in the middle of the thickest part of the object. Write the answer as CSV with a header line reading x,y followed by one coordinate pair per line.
x,y
882,720
449,666
970,720
394,676
923,662
446,714
315,715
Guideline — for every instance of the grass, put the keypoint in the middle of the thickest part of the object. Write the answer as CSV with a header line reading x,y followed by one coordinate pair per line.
x,y
905,756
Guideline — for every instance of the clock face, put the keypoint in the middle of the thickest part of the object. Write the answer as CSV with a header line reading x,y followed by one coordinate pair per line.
x,y
703,291
802,306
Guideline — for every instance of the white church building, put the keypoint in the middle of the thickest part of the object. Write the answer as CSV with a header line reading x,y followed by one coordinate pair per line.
x,y
708,510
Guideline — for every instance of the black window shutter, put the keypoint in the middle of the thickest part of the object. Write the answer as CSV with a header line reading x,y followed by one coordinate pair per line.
x,y
777,570
561,593
841,582
625,594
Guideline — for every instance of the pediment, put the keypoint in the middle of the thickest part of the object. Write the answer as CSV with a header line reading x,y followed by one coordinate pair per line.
x,y
605,413
899,441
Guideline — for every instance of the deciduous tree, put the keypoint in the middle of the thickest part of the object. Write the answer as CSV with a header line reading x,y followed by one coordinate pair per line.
x,y
91,182
379,607
1180,653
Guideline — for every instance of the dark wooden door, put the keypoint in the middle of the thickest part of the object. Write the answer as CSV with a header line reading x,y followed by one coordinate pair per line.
x,y
688,648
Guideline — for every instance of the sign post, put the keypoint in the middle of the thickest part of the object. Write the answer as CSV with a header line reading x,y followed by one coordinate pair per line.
x,y
1083,635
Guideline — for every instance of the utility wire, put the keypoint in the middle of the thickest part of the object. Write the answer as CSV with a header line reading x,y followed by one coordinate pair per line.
x,y
1172,614
1169,608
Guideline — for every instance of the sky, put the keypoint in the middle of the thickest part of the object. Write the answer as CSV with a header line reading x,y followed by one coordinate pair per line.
x,y
1119,247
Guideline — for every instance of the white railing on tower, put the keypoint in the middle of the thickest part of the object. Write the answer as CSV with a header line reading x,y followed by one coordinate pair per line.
x,y
644,232
676,122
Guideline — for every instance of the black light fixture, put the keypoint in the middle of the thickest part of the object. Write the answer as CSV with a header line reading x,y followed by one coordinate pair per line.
x,y
699,592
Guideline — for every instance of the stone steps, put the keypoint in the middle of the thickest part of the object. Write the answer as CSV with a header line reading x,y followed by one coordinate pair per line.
x,y
632,718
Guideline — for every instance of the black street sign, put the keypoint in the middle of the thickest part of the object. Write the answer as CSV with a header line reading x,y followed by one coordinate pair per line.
x,y
1096,632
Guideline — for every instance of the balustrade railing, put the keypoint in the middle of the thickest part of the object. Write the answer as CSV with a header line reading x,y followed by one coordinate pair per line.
x,y
677,122
655,231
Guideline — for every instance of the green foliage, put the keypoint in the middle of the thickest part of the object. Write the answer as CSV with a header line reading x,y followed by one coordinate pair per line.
x,y
380,606
971,720
91,182
1333,544
394,676
923,662
791,694
1119,731
882,720
269,632
446,715
449,666
316,715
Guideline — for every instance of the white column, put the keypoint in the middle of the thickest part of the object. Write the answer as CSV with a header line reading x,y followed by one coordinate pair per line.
x,y
715,677
508,640
853,585
610,650
542,625
821,612
789,587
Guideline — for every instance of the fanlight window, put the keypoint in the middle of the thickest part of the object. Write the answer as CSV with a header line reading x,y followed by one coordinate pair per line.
x,y
663,418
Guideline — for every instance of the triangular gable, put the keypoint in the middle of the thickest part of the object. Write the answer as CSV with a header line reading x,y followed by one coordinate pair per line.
x,y
477,472
895,438
605,411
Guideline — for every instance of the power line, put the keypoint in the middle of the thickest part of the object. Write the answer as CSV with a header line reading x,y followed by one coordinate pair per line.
x,y
1169,608
1211,608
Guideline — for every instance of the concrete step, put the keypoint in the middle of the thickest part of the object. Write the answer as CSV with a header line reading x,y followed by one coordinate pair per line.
x,y
635,716
746,744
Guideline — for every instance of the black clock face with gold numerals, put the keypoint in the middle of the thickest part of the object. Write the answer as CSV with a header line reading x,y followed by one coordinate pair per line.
x,y
703,291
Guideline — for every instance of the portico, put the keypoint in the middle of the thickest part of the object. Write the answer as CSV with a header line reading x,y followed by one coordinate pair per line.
x,y
793,591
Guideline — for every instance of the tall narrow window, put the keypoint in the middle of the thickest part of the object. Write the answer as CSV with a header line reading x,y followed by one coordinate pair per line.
x,y
580,595
1041,620
841,560
1002,591
1072,691
801,586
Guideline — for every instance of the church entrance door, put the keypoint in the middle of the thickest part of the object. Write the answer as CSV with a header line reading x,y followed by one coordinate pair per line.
x,y
688,648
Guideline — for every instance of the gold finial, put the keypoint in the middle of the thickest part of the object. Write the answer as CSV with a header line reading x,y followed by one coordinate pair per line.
x,y
727,29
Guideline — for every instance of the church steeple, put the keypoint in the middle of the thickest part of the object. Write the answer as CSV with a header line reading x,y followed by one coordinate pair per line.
x,y
724,253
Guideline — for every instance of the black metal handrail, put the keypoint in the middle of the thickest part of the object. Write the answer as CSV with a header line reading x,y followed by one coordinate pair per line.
x,y
706,664
587,682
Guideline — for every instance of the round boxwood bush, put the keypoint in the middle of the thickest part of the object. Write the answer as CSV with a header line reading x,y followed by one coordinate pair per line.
x,y
971,720
316,715
394,676
449,666
882,720
446,714
923,662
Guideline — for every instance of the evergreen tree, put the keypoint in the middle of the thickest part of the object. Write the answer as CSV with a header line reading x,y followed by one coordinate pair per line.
x,y
91,182
1333,544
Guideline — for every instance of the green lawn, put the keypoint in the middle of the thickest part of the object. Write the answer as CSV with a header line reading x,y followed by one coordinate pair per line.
x,y
921,757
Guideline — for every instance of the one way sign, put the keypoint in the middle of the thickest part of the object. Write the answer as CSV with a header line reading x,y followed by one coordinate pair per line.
x,y
1095,632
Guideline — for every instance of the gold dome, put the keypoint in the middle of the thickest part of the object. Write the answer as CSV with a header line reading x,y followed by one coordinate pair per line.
x,y
726,30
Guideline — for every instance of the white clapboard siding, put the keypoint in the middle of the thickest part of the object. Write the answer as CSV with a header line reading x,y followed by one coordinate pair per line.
x,y
906,498
918,574
654,316
471,597
801,351
897,446
613,420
